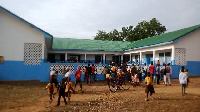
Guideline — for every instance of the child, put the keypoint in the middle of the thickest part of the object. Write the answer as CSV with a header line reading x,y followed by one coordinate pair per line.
x,y
61,89
68,89
54,79
187,74
149,86
183,80
129,74
136,80
51,90
105,71
143,77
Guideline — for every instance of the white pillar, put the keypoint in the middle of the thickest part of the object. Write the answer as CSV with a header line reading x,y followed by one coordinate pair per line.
x,y
173,56
164,57
154,55
122,57
104,58
140,58
65,57
85,57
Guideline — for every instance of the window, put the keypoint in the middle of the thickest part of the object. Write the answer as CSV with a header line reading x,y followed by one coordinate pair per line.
x,y
149,55
161,54
180,56
168,54
98,58
137,58
74,58
32,53
161,58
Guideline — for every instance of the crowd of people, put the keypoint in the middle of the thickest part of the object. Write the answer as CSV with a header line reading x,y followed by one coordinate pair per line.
x,y
134,74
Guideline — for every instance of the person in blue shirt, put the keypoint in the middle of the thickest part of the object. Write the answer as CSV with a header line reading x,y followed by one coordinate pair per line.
x,y
143,77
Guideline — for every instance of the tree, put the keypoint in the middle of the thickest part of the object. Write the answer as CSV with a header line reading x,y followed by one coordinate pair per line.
x,y
146,29
115,35
102,35
143,30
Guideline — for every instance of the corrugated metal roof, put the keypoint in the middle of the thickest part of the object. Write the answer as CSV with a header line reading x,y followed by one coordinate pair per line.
x,y
88,45
99,45
163,38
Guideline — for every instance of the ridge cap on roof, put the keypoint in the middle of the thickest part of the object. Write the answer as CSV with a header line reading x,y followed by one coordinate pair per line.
x,y
90,39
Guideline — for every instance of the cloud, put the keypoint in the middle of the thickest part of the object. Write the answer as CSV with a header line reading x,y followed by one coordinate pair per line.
x,y
83,18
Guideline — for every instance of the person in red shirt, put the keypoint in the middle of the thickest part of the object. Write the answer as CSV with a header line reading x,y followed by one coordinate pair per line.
x,y
152,67
78,77
93,74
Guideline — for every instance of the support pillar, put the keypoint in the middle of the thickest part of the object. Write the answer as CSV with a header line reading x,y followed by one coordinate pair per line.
x,y
104,58
154,55
173,56
140,58
65,57
122,58
85,57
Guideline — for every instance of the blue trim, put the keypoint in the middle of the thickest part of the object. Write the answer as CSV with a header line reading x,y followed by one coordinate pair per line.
x,y
173,62
176,41
46,35
81,50
150,45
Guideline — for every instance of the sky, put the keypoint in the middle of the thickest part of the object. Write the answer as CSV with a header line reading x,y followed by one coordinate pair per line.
x,y
83,18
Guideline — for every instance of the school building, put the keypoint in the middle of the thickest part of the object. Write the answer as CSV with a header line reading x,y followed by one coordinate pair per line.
x,y
28,52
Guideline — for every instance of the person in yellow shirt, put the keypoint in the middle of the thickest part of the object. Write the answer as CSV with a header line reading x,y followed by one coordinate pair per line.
x,y
105,71
187,74
158,62
51,90
149,86
120,76
113,69
69,89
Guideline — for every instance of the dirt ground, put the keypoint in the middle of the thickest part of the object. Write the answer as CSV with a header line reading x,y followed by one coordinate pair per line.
x,y
30,96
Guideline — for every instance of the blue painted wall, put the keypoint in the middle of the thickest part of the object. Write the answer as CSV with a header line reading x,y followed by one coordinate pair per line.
x,y
192,66
16,70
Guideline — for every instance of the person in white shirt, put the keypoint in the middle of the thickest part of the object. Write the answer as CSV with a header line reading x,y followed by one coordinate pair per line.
x,y
52,72
145,67
183,80
68,73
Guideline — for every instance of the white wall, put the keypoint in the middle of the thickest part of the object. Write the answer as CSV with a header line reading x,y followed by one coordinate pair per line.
x,y
192,44
13,35
147,49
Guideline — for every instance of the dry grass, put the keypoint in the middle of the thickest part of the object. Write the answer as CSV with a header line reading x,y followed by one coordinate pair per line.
x,y
31,96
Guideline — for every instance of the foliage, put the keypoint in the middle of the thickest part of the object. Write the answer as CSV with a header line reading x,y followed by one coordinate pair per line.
x,y
143,30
